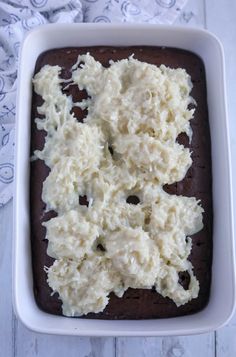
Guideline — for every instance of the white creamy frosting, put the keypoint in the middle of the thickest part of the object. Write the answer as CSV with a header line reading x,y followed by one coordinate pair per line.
x,y
70,236
84,286
138,110
134,255
164,161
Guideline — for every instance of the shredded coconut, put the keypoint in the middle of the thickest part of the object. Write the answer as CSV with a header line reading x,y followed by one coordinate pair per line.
x,y
70,236
84,287
126,146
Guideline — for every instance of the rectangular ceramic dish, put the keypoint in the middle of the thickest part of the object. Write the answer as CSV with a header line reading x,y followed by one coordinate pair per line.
x,y
222,295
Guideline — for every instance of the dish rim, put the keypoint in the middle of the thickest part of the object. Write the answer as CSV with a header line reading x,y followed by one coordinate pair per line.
x,y
180,30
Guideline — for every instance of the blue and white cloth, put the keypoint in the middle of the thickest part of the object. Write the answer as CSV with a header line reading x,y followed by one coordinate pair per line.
x,y
19,16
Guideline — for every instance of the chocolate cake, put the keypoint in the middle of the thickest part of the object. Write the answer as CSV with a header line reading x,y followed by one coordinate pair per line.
x,y
136,303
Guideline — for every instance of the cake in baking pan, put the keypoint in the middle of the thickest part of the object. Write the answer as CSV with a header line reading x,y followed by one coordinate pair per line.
x,y
120,184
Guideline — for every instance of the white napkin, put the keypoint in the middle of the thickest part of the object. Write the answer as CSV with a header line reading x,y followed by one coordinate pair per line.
x,y
19,16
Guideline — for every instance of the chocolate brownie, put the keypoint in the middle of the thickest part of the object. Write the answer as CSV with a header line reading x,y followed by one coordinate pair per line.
x,y
136,303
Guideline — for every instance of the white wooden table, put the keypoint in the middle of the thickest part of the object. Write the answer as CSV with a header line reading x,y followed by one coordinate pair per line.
x,y
219,16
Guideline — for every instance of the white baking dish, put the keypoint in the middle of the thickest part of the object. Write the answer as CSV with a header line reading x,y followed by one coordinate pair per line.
x,y
222,295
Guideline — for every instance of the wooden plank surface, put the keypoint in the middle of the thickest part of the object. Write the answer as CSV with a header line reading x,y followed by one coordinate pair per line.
x,y
17,341
6,314
185,346
221,20
31,344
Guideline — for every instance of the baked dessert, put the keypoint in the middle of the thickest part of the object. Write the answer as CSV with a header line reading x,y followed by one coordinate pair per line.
x,y
181,188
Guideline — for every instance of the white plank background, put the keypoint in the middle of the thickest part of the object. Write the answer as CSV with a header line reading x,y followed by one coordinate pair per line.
x,y
219,16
